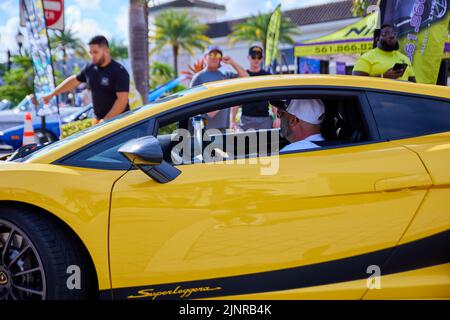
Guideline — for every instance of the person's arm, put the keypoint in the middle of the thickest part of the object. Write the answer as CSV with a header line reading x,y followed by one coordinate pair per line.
x,y
390,74
240,71
276,121
363,68
233,113
67,85
119,105
360,73
212,114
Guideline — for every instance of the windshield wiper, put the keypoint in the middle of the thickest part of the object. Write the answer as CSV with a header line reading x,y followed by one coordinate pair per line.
x,y
26,150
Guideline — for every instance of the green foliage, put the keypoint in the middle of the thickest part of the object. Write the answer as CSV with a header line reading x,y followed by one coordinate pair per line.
x,y
161,73
254,29
168,129
67,42
117,49
73,127
18,80
179,30
3,68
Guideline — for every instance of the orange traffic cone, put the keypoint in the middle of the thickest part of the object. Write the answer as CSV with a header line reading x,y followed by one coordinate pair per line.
x,y
28,131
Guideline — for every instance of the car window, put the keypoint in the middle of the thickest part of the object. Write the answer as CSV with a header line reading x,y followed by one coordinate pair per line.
x,y
62,142
342,125
24,105
400,116
104,154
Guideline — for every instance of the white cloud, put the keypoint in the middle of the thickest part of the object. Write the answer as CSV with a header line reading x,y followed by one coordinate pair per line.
x,y
89,4
72,14
9,7
121,21
8,33
84,28
236,9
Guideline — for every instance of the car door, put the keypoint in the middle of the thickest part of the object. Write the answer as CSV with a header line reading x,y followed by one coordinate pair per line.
x,y
311,224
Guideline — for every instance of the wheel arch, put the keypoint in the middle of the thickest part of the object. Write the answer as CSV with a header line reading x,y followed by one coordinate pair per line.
x,y
62,224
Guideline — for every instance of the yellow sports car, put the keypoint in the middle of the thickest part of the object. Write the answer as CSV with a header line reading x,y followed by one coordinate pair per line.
x,y
152,205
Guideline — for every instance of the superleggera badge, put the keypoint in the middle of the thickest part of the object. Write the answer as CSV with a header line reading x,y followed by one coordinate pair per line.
x,y
183,293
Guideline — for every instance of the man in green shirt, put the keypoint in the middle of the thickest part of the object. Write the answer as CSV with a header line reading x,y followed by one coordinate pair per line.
x,y
380,62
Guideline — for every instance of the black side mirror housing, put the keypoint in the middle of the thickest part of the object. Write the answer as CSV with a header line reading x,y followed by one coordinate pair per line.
x,y
146,154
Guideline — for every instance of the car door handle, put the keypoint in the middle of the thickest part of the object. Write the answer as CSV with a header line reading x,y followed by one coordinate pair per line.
x,y
403,182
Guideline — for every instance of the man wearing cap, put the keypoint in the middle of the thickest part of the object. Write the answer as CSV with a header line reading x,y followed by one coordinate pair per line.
x,y
300,123
213,57
255,115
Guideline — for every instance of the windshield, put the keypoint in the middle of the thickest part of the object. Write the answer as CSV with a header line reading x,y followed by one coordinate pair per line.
x,y
74,136
24,105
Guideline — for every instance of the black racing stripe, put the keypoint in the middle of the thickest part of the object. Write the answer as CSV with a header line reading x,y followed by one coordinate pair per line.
x,y
426,252
422,253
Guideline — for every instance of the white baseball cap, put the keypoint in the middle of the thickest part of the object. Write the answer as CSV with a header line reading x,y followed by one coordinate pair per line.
x,y
308,110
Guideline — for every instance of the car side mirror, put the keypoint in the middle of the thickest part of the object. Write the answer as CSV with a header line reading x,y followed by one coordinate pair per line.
x,y
146,154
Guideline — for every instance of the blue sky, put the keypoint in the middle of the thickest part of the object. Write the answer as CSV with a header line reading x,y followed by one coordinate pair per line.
x,y
110,17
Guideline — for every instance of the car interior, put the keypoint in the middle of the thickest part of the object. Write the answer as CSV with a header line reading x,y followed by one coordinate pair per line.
x,y
343,125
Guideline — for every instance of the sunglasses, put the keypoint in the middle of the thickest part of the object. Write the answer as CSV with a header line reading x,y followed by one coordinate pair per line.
x,y
388,33
215,55
256,57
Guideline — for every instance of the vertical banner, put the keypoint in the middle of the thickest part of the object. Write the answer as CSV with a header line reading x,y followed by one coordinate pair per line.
x,y
423,29
44,81
273,33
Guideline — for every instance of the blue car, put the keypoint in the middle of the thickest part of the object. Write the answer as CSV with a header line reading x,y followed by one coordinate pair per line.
x,y
13,136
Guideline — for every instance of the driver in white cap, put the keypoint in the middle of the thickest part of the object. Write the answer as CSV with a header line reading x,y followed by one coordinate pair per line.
x,y
300,123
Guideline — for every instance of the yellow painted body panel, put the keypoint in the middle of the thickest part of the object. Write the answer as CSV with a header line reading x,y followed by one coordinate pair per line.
x,y
425,283
434,150
79,197
225,219
433,216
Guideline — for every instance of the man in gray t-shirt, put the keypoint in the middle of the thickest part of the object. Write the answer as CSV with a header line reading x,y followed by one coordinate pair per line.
x,y
219,119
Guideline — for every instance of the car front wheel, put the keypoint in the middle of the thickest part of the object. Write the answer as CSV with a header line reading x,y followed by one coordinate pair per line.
x,y
40,259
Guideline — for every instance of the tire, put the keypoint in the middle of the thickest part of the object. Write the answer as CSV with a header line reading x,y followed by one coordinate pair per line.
x,y
44,136
52,249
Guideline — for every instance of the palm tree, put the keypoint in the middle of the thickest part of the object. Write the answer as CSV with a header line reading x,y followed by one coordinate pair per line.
x,y
138,49
67,42
255,29
181,31
117,49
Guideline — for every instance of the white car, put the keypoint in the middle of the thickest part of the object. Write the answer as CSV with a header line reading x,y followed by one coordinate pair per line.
x,y
16,115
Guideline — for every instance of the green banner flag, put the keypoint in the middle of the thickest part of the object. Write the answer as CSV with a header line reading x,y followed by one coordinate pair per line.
x,y
273,33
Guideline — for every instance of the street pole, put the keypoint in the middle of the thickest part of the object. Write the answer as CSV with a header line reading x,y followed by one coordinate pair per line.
x,y
9,59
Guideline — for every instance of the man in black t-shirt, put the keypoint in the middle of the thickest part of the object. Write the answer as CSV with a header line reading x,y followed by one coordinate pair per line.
x,y
255,115
108,80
